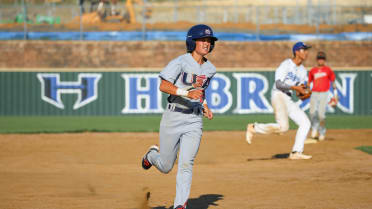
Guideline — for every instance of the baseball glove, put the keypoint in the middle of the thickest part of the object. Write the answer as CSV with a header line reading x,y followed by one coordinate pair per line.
x,y
305,94
333,102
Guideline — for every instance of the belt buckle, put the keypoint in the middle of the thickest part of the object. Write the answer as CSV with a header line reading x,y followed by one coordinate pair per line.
x,y
171,107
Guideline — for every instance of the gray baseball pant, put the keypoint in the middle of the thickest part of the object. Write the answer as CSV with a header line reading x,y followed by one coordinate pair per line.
x,y
318,105
181,132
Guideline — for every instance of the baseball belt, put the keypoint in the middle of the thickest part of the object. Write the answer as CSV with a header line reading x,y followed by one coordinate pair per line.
x,y
197,110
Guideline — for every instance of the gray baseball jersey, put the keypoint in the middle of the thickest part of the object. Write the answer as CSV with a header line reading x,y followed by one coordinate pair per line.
x,y
185,73
180,131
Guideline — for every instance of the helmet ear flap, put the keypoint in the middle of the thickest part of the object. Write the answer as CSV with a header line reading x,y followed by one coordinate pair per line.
x,y
190,45
212,45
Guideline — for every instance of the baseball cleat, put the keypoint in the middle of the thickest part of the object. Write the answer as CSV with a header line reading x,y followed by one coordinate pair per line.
x,y
249,133
145,162
310,141
180,207
314,133
299,156
321,138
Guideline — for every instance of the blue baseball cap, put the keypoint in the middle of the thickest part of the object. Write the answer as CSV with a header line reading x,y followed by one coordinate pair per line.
x,y
300,45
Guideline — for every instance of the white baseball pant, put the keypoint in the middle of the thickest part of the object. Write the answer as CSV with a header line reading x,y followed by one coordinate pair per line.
x,y
284,107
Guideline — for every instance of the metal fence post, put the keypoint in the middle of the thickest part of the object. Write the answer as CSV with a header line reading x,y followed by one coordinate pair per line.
x,y
297,14
276,15
247,14
317,21
264,14
175,11
327,12
225,15
236,14
201,13
81,19
333,13
144,20
284,15
309,12
258,22
25,33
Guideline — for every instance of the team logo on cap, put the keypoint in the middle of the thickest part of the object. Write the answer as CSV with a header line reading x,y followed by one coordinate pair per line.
x,y
207,31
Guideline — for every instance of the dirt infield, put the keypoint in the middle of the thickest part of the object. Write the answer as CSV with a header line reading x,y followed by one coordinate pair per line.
x,y
102,170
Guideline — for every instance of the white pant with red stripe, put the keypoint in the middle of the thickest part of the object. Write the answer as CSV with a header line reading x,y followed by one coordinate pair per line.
x,y
284,107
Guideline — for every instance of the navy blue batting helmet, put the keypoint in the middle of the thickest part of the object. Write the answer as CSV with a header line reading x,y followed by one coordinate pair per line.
x,y
196,32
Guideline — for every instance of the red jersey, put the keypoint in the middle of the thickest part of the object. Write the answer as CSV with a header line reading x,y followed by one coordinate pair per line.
x,y
321,77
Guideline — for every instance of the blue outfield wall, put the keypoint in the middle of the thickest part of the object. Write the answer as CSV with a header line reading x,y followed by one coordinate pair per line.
x,y
118,93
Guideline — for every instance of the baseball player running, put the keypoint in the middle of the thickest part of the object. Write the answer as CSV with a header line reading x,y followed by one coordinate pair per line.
x,y
290,75
321,76
185,80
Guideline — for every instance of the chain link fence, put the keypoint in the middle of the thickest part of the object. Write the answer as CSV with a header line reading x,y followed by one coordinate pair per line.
x,y
58,17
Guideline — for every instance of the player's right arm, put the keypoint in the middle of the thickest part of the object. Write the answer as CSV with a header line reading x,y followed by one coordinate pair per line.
x,y
311,75
285,87
169,88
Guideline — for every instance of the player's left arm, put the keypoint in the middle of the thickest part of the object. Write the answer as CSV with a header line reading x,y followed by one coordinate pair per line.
x,y
334,99
333,80
207,112
310,77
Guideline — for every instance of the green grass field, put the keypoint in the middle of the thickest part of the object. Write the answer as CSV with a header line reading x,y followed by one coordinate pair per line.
x,y
150,123
366,149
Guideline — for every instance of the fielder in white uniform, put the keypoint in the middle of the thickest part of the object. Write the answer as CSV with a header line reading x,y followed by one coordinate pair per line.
x,y
288,76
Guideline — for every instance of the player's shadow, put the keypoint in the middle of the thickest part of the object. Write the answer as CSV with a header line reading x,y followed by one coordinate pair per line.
x,y
202,202
274,157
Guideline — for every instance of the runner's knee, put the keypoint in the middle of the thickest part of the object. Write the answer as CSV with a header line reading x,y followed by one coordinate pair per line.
x,y
306,124
167,167
283,128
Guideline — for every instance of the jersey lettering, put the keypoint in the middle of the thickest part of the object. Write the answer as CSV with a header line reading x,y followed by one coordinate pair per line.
x,y
196,81
320,75
293,77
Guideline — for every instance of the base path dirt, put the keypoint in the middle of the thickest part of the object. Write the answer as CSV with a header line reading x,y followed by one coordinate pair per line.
x,y
103,171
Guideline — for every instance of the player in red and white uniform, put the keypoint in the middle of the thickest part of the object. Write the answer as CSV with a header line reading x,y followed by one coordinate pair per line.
x,y
322,76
